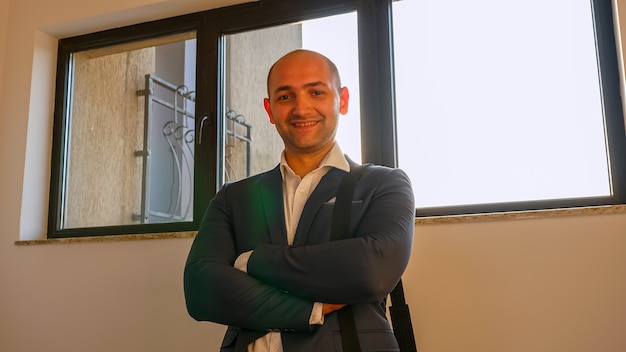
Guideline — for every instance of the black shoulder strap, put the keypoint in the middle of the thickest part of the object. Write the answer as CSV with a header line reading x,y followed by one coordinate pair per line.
x,y
341,212
340,228
400,315
401,319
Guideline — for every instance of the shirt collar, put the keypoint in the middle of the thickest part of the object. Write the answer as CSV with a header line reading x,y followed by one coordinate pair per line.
x,y
335,158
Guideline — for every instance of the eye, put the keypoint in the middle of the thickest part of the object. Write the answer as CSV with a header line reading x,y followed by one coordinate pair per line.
x,y
283,97
317,92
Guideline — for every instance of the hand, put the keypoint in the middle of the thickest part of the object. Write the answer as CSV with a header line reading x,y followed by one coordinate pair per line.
x,y
328,308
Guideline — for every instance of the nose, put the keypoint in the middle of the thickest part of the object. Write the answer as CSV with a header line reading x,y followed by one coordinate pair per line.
x,y
302,105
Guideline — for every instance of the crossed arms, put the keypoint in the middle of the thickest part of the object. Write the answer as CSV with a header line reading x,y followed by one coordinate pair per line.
x,y
283,281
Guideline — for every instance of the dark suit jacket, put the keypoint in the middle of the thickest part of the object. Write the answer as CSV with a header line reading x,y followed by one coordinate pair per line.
x,y
282,282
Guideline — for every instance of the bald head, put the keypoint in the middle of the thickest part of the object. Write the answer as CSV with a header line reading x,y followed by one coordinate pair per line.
x,y
302,56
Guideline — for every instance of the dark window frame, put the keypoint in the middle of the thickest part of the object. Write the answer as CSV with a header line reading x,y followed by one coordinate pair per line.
x,y
66,47
376,89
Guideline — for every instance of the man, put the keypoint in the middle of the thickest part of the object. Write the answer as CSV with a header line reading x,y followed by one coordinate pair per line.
x,y
262,262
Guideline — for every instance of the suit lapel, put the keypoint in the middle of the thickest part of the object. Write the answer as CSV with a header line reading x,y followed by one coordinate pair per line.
x,y
325,190
270,188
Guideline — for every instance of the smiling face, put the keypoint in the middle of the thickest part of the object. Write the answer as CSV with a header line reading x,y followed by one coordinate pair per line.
x,y
305,102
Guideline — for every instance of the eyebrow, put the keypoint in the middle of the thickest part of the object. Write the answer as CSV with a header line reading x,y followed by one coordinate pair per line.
x,y
308,85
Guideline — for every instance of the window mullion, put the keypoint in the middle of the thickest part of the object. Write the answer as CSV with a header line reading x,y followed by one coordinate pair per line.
x,y
376,76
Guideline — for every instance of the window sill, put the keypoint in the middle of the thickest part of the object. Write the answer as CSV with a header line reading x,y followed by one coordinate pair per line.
x,y
550,213
600,210
116,238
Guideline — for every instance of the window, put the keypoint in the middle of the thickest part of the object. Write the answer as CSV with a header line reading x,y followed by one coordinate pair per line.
x,y
125,131
143,136
508,106
151,119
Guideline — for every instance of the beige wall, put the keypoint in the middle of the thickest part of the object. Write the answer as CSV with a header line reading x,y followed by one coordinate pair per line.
x,y
4,23
540,285
543,284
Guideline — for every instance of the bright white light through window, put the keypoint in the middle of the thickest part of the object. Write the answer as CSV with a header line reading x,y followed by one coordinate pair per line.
x,y
337,38
498,101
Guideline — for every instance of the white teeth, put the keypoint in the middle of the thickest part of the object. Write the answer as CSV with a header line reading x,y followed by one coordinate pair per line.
x,y
303,124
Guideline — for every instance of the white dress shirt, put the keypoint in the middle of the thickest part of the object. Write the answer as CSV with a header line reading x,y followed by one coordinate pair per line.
x,y
296,192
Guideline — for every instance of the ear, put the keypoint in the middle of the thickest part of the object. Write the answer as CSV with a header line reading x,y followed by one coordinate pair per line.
x,y
266,105
344,97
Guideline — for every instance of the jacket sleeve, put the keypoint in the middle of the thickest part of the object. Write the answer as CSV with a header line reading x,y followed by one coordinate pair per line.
x,y
216,291
361,269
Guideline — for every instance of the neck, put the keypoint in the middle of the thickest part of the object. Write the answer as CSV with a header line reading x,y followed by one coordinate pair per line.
x,y
302,164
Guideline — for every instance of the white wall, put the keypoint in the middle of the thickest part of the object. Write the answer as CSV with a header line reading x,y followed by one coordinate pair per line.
x,y
544,284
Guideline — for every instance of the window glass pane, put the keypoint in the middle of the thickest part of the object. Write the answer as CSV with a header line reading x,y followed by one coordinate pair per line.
x,y
498,101
251,144
130,134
